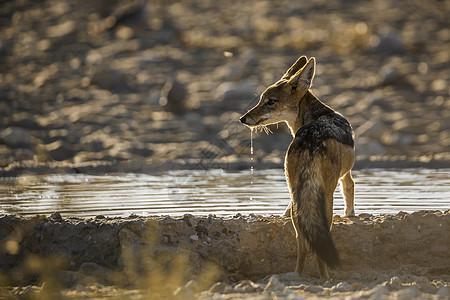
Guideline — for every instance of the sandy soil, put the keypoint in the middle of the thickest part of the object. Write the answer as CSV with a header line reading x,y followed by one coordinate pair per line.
x,y
402,256
148,85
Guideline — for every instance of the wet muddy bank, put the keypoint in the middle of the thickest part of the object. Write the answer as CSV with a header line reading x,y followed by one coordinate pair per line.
x,y
122,251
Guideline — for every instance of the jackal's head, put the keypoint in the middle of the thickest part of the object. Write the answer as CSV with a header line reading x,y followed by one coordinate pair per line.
x,y
281,101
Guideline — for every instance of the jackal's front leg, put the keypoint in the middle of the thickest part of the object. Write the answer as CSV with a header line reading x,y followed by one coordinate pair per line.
x,y
348,188
287,212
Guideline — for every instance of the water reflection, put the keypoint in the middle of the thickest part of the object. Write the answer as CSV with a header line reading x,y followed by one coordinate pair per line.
x,y
211,192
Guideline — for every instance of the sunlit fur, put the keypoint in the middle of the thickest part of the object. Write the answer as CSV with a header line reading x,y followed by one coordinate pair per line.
x,y
320,155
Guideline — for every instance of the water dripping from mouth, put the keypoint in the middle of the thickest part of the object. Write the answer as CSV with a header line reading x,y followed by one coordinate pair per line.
x,y
251,159
251,150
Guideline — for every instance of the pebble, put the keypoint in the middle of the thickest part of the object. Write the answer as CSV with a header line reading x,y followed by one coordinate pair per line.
x,y
388,43
390,75
59,151
218,287
23,154
274,284
341,287
311,288
247,286
15,137
110,79
368,146
395,283
184,293
56,216
174,94
242,92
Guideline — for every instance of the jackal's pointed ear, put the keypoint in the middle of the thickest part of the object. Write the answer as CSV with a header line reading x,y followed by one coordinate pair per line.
x,y
301,61
305,76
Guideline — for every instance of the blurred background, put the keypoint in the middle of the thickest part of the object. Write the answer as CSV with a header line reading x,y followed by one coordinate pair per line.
x,y
163,83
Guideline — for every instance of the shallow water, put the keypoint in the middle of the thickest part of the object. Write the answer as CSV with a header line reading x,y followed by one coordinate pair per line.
x,y
212,192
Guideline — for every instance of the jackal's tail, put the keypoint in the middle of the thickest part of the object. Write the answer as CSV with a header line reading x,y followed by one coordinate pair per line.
x,y
309,201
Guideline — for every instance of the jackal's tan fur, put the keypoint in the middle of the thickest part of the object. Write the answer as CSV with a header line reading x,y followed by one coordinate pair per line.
x,y
320,154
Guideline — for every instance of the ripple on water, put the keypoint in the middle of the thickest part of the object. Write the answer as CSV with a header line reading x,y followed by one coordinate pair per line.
x,y
212,192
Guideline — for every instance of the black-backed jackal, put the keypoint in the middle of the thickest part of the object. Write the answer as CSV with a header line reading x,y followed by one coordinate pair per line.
x,y
320,154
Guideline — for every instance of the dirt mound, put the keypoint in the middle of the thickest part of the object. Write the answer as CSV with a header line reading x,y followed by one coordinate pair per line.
x,y
163,253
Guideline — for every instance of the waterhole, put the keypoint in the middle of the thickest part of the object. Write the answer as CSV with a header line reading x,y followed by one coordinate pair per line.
x,y
212,192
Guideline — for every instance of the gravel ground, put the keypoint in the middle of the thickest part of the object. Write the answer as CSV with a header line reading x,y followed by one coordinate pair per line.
x,y
151,85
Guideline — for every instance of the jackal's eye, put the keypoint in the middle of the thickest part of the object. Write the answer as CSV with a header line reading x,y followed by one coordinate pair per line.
x,y
271,102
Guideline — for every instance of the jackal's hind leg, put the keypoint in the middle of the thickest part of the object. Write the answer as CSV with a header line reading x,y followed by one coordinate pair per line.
x,y
302,250
301,243
323,270
348,189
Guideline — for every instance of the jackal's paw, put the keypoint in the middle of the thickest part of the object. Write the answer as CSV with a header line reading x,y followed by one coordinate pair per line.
x,y
349,213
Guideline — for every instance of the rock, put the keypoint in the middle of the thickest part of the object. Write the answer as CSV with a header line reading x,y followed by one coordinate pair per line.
x,y
236,93
62,29
27,292
111,79
189,290
232,71
25,121
394,138
388,43
56,217
183,293
439,85
218,287
129,12
60,151
390,75
274,284
16,137
194,285
424,285
368,146
311,288
341,287
23,154
373,129
395,283
356,286
174,95
141,151
124,32
5,160
247,286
